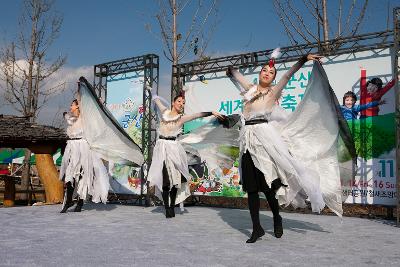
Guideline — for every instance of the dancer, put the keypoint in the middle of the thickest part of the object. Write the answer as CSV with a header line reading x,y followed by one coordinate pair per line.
x,y
169,171
94,136
81,168
350,110
292,157
74,132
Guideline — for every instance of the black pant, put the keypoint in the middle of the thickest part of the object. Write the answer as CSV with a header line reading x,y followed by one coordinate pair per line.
x,y
70,191
169,193
253,181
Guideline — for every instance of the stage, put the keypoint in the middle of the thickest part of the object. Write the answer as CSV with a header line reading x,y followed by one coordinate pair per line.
x,y
122,235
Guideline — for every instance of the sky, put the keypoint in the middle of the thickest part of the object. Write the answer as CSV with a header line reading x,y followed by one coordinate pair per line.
x,y
97,31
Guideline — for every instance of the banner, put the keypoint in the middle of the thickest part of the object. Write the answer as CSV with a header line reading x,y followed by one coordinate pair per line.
x,y
373,132
125,102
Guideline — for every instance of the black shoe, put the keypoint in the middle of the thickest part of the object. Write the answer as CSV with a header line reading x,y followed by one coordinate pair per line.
x,y
67,206
256,235
168,213
278,228
172,195
79,206
172,211
68,197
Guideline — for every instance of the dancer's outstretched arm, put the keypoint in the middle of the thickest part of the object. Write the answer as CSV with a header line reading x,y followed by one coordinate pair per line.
x,y
187,118
245,84
277,90
159,104
156,100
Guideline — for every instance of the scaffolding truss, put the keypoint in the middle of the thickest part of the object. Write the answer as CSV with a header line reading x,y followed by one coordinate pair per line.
x,y
149,65
364,42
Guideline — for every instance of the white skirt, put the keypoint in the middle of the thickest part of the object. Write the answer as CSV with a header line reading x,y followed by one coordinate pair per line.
x,y
172,154
84,168
270,154
301,148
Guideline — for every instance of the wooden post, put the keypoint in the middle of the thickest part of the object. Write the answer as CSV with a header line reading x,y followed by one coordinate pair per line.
x,y
9,194
48,174
26,175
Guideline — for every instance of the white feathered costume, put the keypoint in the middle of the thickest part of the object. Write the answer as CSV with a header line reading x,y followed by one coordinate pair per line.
x,y
299,148
171,152
94,136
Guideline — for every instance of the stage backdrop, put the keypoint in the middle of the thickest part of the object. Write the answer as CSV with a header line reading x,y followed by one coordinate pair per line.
x,y
374,136
125,102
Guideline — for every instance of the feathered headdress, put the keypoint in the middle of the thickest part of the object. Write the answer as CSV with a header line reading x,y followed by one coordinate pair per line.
x,y
275,54
183,90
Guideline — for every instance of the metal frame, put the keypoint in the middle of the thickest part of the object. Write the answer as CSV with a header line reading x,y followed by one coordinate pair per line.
x,y
396,72
358,43
149,64
364,42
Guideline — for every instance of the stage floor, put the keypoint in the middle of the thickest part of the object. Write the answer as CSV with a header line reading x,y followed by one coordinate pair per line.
x,y
121,235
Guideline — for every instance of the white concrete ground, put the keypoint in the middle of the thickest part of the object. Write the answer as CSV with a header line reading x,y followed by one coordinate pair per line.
x,y
120,235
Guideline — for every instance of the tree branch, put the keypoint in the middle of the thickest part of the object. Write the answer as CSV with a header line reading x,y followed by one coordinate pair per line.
x,y
189,32
165,36
360,18
287,17
312,11
287,29
349,16
182,7
300,19
25,76
339,19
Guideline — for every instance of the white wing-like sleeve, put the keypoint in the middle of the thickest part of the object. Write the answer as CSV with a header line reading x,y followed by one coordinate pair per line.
x,y
102,131
312,133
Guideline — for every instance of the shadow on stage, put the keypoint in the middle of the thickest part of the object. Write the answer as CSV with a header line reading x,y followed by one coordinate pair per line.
x,y
389,222
160,209
96,206
240,220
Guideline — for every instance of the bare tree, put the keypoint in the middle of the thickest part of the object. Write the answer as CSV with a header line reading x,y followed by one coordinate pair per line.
x,y
25,65
342,21
179,39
